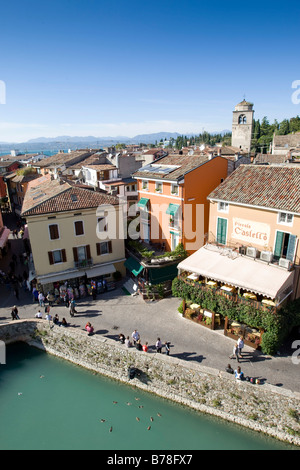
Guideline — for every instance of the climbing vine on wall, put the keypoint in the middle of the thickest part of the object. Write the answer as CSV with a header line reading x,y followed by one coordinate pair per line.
x,y
276,324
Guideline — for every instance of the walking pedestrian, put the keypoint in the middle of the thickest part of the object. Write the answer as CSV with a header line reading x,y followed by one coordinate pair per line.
x,y
94,293
35,294
15,313
235,353
66,299
50,298
167,347
158,345
72,307
240,344
41,299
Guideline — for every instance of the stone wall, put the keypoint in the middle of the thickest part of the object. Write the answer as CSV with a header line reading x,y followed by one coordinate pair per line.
x,y
263,408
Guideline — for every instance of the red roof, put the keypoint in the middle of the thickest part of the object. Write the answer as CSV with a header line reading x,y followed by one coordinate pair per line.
x,y
51,196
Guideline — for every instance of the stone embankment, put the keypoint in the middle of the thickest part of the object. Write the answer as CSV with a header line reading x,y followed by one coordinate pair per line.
x,y
263,408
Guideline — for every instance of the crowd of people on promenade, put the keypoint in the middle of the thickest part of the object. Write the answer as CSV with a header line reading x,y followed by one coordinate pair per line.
x,y
135,341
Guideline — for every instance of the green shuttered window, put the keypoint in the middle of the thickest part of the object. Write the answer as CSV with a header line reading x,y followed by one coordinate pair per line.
x,y
222,231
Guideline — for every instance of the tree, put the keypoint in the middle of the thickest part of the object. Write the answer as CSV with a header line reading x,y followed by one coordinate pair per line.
x,y
284,127
295,124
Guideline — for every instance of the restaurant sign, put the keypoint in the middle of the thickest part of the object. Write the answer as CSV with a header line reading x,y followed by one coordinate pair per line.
x,y
256,233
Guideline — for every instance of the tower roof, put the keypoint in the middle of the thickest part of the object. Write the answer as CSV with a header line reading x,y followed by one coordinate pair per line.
x,y
245,103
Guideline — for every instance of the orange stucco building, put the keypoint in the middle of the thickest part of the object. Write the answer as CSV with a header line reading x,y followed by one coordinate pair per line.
x,y
173,201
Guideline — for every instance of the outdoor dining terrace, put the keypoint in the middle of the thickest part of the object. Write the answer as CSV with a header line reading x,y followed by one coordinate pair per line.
x,y
237,295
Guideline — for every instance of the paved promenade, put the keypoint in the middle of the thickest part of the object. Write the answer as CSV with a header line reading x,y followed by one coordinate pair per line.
x,y
114,312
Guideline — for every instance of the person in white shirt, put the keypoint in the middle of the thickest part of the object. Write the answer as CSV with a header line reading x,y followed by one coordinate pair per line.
x,y
39,314
48,317
158,345
41,299
135,336
240,345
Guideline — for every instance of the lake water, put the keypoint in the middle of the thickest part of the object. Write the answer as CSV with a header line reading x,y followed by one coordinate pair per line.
x,y
49,404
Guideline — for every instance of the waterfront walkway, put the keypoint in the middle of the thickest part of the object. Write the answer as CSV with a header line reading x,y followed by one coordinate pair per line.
x,y
115,312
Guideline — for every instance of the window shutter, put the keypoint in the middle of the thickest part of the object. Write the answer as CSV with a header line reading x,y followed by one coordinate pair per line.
x,y
278,244
98,248
88,251
109,245
63,255
51,259
222,231
54,234
75,254
79,227
291,248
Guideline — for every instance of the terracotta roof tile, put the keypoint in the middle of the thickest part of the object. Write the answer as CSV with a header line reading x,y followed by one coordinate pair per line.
x,y
182,165
51,196
272,186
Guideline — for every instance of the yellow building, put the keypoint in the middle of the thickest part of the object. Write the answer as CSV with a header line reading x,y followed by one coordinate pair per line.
x,y
74,233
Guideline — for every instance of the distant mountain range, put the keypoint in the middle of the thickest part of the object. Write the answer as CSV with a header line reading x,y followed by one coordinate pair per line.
x,y
73,143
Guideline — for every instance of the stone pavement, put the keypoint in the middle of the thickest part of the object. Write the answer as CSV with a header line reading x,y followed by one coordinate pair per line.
x,y
115,312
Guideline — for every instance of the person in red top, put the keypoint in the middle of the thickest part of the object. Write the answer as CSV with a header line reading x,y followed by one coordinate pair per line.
x,y
89,328
145,347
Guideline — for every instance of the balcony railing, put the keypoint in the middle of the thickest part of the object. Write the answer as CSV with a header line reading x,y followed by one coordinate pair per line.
x,y
173,223
85,263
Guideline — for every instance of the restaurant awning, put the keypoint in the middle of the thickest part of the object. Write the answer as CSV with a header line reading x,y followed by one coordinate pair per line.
x,y
100,270
239,271
142,203
73,274
133,266
162,274
172,209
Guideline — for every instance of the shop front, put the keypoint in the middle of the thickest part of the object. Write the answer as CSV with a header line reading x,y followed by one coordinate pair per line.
x,y
78,283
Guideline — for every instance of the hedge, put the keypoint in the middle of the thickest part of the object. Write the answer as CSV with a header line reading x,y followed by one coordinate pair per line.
x,y
276,325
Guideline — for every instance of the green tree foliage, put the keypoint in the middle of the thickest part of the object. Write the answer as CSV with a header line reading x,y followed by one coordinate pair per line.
x,y
203,138
276,325
263,131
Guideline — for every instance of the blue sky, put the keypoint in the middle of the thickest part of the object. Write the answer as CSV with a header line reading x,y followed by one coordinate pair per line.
x,y
109,68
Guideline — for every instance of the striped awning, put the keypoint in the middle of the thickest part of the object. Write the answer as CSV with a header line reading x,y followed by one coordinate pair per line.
x,y
172,209
142,203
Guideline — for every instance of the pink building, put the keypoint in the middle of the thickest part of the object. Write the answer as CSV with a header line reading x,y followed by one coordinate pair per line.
x,y
254,230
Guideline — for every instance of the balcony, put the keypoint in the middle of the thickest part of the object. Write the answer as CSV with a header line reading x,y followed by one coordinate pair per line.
x,y
262,255
85,263
174,224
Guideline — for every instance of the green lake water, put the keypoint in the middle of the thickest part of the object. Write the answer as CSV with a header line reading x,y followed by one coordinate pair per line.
x,y
49,404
